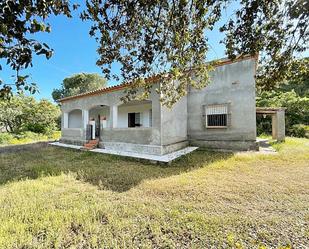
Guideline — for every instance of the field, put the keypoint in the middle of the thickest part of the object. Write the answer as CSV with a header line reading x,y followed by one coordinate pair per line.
x,y
62,198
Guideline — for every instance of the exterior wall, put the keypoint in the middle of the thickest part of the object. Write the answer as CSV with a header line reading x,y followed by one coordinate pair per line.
x,y
174,123
75,119
123,111
233,84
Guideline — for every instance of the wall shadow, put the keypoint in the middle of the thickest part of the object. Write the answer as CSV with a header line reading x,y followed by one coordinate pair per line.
x,y
105,171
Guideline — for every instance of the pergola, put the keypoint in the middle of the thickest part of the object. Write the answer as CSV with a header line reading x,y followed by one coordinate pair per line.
x,y
277,121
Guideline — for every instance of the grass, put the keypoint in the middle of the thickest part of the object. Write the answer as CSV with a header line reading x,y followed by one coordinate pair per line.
x,y
61,198
27,137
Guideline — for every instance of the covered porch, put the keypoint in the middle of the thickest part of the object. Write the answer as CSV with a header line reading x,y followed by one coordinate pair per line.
x,y
132,126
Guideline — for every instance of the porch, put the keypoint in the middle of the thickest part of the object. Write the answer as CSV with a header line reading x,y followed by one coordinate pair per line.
x,y
131,126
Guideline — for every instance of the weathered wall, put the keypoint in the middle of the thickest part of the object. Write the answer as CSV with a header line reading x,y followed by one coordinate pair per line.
x,y
75,119
132,135
143,109
233,84
174,123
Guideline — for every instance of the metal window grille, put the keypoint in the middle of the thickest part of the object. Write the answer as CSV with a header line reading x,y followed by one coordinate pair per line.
x,y
217,116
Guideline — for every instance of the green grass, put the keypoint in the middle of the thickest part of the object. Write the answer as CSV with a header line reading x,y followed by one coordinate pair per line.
x,y
61,198
27,137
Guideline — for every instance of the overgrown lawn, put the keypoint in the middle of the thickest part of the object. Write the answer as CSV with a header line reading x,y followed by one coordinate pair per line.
x,y
61,198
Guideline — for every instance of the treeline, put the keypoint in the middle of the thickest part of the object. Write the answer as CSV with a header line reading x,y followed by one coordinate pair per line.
x,y
293,94
22,118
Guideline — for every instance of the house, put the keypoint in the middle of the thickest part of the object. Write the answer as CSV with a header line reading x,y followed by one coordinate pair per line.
x,y
221,116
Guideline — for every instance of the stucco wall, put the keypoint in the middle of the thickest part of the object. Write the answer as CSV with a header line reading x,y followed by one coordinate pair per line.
x,y
174,122
233,84
143,109
75,119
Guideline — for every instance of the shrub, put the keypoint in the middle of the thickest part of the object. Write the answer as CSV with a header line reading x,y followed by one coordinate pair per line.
x,y
5,137
299,130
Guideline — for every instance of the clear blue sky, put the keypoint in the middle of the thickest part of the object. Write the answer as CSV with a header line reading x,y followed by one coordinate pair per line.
x,y
75,52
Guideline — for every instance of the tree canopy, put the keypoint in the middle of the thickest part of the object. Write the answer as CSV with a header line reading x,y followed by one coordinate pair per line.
x,y
24,113
164,36
79,83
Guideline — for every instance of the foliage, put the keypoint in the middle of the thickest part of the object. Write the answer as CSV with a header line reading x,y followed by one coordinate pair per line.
x,y
79,83
19,21
23,113
297,108
27,137
5,137
151,37
162,36
293,94
298,78
278,30
60,198
299,130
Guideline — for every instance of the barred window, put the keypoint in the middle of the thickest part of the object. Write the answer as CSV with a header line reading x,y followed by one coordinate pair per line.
x,y
217,116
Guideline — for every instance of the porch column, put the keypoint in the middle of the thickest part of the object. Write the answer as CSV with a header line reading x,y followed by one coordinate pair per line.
x,y
114,116
85,118
65,120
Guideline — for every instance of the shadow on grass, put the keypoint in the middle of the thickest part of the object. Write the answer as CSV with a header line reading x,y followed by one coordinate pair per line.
x,y
105,171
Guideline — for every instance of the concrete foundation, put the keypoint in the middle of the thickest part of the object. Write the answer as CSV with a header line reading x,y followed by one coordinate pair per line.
x,y
226,145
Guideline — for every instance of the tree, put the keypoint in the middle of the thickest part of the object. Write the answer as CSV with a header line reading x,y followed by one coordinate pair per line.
x,y
293,94
79,83
166,36
24,113
18,20
169,38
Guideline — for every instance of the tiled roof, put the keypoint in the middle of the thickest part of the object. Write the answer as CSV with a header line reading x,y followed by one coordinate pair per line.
x,y
151,79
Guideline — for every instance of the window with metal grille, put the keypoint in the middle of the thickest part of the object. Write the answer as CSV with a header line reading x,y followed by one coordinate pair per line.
x,y
217,116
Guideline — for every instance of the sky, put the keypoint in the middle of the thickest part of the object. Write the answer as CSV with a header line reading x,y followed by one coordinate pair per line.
x,y
75,52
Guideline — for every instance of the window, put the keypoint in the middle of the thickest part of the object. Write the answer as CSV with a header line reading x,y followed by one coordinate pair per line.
x,y
134,119
217,116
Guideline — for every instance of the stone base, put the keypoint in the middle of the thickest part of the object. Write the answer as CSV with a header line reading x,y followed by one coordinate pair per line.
x,y
226,145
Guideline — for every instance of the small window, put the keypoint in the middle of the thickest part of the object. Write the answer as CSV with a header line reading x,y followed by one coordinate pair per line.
x,y
217,116
134,119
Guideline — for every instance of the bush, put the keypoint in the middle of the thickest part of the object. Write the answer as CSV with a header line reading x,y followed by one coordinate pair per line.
x,y
5,137
299,130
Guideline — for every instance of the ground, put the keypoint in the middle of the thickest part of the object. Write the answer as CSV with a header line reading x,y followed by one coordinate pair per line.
x,y
62,198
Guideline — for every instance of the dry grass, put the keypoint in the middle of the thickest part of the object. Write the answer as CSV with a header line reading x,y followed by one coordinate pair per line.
x,y
205,200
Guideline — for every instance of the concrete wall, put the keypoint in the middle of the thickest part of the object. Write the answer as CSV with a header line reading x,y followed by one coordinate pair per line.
x,y
143,109
233,84
174,123
75,119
